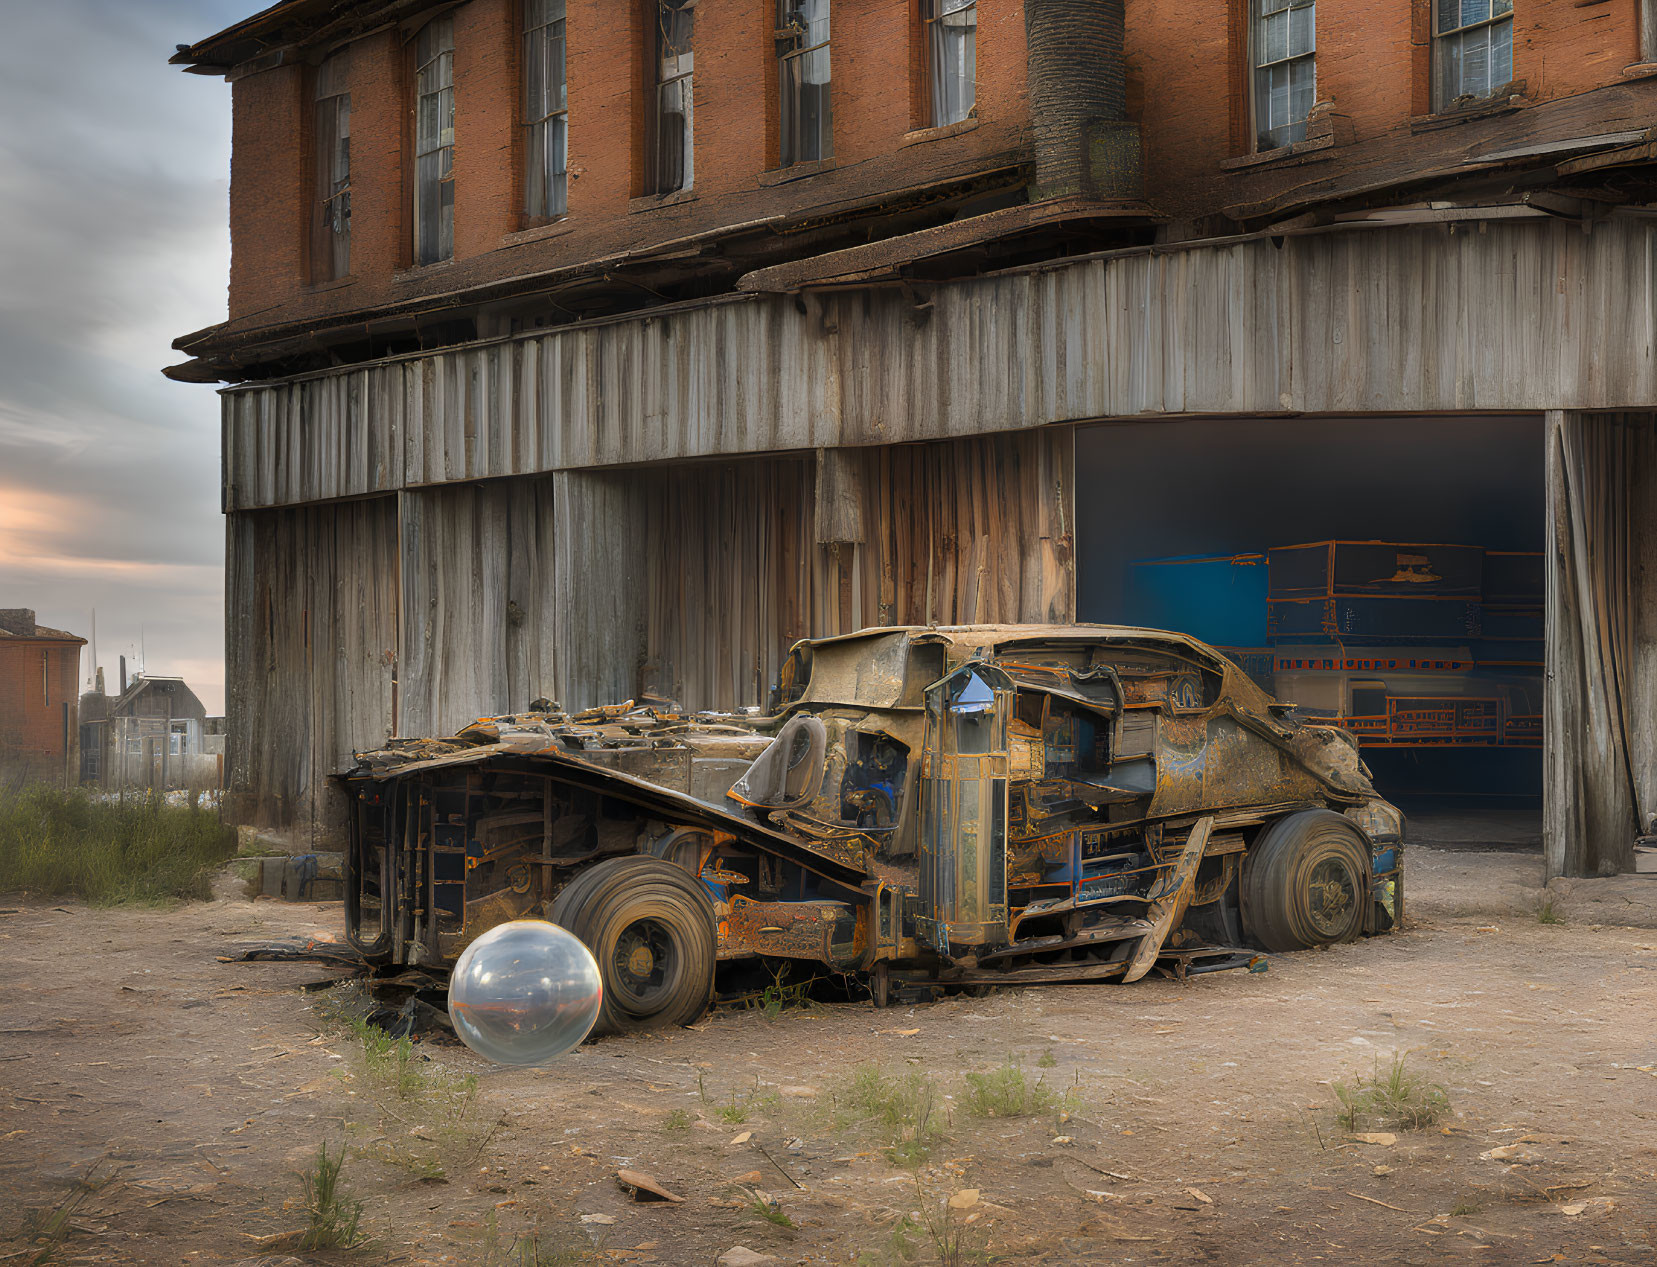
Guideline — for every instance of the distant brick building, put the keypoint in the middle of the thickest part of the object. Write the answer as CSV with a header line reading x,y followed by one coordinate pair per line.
x,y
583,348
39,691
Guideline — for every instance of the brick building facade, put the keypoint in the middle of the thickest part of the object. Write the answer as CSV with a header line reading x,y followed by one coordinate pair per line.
x,y
897,340
1183,78
39,692
618,245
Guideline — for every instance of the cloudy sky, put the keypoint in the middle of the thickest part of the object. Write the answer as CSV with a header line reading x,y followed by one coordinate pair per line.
x,y
113,183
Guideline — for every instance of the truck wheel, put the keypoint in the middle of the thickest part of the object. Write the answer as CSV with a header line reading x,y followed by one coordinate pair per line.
x,y
1306,882
651,928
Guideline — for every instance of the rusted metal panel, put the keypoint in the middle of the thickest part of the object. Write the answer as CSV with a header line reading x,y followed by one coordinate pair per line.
x,y
866,830
1373,320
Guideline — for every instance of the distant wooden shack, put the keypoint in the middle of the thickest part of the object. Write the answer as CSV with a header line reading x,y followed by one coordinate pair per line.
x,y
154,734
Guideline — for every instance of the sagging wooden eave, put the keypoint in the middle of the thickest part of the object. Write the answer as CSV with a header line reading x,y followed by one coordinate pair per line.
x,y
695,268
296,29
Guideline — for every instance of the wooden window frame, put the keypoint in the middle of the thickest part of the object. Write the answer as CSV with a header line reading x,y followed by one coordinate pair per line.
x,y
440,150
1293,129
933,14
791,48
546,185
329,243
1439,96
659,177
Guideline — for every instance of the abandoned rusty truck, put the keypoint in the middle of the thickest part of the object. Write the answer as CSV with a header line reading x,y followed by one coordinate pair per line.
x,y
922,808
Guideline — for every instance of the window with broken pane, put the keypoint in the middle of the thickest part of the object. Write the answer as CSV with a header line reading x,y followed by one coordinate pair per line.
x,y
804,114
331,215
1285,70
674,155
546,111
1472,49
434,142
952,57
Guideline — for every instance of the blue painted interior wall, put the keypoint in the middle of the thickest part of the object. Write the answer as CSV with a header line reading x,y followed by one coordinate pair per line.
x,y
1166,489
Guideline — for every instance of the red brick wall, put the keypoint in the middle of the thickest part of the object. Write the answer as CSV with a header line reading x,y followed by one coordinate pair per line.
x,y
1186,86
1186,83
874,100
31,706
269,198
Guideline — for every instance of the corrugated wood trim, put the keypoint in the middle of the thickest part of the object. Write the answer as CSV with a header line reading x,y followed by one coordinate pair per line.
x,y
1383,321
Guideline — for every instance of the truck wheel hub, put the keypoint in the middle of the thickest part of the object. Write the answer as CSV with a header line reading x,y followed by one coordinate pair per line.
x,y
1330,896
640,961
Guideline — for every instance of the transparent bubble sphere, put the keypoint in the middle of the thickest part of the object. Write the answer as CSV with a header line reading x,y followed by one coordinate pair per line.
x,y
525,993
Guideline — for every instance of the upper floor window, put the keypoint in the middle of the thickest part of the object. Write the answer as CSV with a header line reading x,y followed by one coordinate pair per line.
x,y
331,217
804,117
672,135
952,58
1285,70
434,142
546,111
1472,49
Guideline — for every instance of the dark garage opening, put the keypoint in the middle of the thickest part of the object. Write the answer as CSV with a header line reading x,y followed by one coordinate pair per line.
x,y
1176,527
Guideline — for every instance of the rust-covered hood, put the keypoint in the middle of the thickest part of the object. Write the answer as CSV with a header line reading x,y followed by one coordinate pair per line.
x,y
584,749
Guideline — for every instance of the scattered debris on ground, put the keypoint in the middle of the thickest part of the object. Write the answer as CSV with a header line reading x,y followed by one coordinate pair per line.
x,y
156,1102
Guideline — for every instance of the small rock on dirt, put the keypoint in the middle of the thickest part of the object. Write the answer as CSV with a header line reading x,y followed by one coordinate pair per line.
x,y
965,1199
742,1256
1381,1139
645,1187
1515,1153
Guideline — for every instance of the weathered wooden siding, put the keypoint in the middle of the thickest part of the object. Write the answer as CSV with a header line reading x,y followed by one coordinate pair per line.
x,y
416,613
965,532
1600,731
599,586
311,604
737,569
729,577
1381,320
479,605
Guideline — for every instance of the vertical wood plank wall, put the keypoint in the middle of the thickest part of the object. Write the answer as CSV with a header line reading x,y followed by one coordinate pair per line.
x,y
311,602
416,613
961,532
729,579
480,631
1600,732
953,532
1306,325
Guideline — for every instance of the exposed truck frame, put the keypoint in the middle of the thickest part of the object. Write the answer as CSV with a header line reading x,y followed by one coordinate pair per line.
x,y
938,806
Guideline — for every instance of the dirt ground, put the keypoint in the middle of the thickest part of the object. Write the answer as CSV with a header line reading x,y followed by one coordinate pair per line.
x,y
1201,1126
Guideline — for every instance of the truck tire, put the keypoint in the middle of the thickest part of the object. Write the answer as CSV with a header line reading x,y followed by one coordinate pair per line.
x,y
1306,882
650,925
